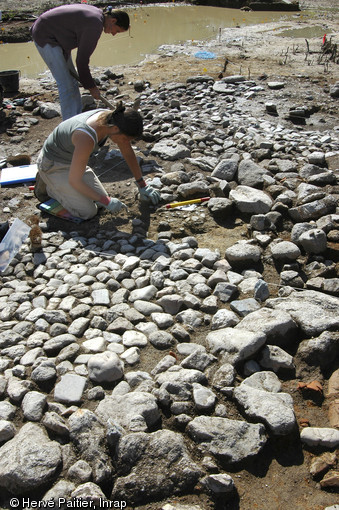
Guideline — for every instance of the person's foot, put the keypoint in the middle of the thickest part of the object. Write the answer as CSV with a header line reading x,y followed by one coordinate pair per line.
x,y
40,190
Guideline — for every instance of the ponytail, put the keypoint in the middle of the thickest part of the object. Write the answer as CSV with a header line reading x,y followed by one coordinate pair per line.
x,y
129,122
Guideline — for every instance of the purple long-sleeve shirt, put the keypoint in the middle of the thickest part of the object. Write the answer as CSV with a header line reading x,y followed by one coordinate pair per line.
x,y
72,26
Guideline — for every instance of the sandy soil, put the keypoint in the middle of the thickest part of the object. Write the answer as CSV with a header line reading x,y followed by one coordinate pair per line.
x,y
280,478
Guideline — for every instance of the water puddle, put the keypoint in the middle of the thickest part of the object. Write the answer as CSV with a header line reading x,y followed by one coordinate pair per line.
x,y
151,27
305,32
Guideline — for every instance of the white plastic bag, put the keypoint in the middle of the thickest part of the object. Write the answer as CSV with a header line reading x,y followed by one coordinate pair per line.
x,y
12,242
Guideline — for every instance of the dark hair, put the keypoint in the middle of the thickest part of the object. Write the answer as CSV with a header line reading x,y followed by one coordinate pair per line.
x,y
121,16
129,122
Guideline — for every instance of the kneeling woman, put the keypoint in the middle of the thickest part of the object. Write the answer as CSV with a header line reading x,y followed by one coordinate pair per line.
x,y
63,173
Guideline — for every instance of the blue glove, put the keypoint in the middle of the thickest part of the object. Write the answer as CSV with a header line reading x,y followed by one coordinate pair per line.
x,y
149,195
115,206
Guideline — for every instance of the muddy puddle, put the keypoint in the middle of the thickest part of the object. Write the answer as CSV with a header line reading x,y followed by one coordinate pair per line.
x,y
305,32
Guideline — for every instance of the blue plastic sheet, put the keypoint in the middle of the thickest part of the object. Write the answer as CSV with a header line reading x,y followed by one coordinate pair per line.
x,y
205,55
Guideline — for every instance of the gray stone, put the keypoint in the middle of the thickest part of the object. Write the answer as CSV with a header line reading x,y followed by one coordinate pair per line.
x,y
7,410
274,358
225,169
105,367
198,360
33,405
223,88
278,325
144,294
17,389
264,381
313,311
56,424
80,472
299,229
203,398
170,150
173,470
31,355
94,345
45,372
125,408
274,409
79,326
250,200
54,345
7,430
162,320
146,308
234,78
181,376
276,85
91,493
219,484
291,278
243,307
62,489
285,250
88,434
315,436
131,356
191,189
313,241
49,110
191,318
218,276
224,376
229,440
164,364
309,193
224,291
313,210
235,344
206,256
317,175
134,338
101,297
171,303
224,318
243,252
161,339
261,290
29,460
69,389
250,174
334,90
219,206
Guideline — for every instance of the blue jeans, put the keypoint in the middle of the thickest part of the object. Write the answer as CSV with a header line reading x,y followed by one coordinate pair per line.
x,y
69,94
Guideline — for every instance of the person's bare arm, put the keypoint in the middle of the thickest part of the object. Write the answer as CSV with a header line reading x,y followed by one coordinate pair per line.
x,y
129,156
147,193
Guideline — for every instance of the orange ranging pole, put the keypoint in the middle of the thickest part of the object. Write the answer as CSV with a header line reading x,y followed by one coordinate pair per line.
x,y
187,202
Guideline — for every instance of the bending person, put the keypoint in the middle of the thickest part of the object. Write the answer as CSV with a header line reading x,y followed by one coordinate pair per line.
x,y
63,171
58,31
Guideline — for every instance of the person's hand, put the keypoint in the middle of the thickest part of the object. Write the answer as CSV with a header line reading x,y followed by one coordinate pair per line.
x,y
115,206
95,92
149,195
